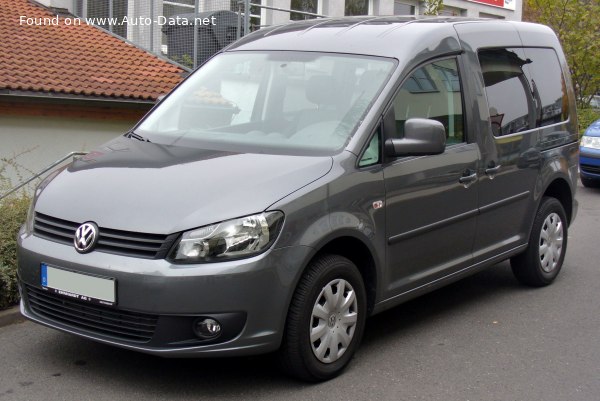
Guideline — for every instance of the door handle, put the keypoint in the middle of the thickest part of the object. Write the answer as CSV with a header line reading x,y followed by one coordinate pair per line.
x,y
468,178
492,171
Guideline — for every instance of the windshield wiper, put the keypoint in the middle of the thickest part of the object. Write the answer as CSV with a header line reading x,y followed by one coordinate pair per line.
x,y
133,135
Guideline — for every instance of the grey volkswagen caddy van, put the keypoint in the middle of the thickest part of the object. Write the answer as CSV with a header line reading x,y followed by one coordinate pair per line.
x,y
307,177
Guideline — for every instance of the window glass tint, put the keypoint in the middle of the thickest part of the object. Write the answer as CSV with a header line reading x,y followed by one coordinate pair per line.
x,y
371,155
356,7
301,5
525,88
506,89
547,86
403,9
432,91
420,81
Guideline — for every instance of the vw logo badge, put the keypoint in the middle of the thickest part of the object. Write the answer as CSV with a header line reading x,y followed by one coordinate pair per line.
x,y
86,237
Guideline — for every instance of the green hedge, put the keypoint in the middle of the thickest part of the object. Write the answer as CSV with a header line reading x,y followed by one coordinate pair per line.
x,y
13,212
585,117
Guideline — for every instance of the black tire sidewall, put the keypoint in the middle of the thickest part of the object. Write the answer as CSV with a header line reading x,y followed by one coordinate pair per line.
x,y
589,183
547,207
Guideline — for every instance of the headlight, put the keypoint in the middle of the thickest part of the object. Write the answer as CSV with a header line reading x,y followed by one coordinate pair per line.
x,y
590,142
31,211
232,239
30,214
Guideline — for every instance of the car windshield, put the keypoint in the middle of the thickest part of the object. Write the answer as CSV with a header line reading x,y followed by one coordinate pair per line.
x,y
272,102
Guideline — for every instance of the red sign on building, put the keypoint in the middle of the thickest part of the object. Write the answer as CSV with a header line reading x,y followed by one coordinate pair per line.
x,y
508,4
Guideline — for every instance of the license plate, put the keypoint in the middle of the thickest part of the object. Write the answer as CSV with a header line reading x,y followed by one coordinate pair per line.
x,y
82,287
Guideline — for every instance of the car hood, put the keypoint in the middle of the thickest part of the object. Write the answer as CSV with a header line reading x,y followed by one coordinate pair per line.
x,y
593,129
140,186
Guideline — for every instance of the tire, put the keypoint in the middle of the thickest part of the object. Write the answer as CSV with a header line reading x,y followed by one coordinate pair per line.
x,y
589,183
541,262
321,359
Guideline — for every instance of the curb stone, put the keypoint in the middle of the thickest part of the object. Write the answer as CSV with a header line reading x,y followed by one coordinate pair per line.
x,y
10,316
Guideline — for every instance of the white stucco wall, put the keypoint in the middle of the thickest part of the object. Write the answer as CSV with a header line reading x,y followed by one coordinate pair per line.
x,y
276,17
46,139
66,4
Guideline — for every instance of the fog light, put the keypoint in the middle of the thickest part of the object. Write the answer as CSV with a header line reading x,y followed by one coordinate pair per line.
x,y
206,328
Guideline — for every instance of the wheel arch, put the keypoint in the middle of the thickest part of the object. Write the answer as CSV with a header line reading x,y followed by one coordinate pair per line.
x,y
359,253
560,189
349,244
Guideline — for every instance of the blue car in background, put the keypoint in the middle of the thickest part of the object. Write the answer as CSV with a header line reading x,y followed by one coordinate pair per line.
x,y
589,156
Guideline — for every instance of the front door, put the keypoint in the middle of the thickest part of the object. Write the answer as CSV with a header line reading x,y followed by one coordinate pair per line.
x,y
431,201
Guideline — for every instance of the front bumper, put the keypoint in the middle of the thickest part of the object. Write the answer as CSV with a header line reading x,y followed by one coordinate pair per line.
x,y
249,297
589,163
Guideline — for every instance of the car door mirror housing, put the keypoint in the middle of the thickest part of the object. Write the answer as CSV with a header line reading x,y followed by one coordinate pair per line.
x,y
422,137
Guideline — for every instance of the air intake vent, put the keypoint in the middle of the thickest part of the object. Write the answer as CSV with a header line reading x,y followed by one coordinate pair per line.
x,y
586,168
101,320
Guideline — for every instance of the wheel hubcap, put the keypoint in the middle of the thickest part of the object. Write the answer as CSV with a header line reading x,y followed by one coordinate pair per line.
x,y
551,241
333,321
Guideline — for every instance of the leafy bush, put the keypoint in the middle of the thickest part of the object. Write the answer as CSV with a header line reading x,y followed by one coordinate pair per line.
x,y
13,212
585,117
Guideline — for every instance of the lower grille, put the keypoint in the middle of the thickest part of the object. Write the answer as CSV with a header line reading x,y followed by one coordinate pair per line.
x,y
123,325
586,168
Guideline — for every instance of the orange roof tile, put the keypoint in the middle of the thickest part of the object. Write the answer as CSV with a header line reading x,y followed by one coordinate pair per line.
x,y
76,60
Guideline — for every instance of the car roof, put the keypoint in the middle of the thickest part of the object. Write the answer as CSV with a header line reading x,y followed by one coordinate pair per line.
x,y
389,36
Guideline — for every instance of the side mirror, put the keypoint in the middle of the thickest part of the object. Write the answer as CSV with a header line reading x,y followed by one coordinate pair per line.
x,y
421,137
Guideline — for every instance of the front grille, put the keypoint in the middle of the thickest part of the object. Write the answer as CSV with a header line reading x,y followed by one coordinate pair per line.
x,y
586,168
128,243
97,319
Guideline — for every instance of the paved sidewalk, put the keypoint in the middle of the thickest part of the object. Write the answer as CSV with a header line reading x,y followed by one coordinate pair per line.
x,y
10,316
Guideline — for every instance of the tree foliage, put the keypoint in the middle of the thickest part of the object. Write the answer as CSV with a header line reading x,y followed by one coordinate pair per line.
x,y
433,7
576,23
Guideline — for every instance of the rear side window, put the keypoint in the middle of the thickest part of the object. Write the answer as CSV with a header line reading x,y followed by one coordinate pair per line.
x,y
547,86
525,88
506,87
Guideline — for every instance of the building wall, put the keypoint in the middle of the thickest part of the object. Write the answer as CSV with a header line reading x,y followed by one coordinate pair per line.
x,y
276,17
336,8
38,138
66,4
465,8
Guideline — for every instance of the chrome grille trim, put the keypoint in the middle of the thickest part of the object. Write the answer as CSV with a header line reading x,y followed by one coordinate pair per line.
x,y
127,243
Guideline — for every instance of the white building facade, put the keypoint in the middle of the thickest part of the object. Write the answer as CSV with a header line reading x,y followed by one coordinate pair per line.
x,y
499,9
162,40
